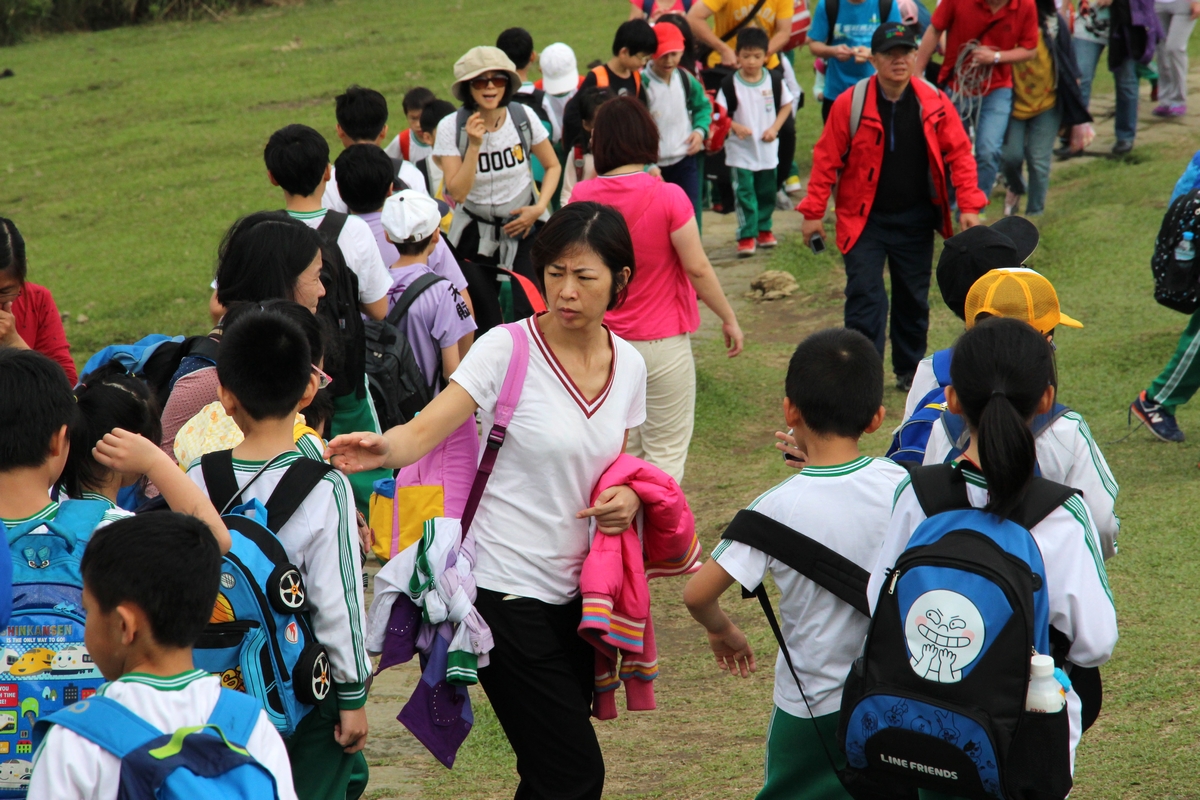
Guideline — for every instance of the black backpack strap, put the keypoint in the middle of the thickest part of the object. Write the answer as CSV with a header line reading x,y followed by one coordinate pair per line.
x,y
331,225
940,487
885,10
776,86
831,14
1041,497
825,567
295,485
219,480
410,295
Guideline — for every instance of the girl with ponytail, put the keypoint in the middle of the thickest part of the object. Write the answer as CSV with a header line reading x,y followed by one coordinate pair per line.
x,y
1003,374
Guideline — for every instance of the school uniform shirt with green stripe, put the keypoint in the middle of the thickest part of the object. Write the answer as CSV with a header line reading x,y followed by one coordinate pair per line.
x,y
50,511
321,539
845,507
68,766
1067,454
1081,603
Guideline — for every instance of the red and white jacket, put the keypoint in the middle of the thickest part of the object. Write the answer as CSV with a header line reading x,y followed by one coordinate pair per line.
x,y
616,598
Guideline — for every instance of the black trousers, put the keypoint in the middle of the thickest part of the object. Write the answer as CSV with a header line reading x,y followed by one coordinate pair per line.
x,y
787,151
905,241
539,681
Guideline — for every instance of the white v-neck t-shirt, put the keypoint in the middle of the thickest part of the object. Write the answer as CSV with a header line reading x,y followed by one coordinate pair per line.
x,y
528,541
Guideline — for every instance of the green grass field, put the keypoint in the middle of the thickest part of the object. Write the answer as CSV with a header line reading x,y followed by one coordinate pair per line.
x,y
126,154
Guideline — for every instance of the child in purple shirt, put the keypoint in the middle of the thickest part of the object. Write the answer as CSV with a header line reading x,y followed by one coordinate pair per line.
x,y
438,320
365,175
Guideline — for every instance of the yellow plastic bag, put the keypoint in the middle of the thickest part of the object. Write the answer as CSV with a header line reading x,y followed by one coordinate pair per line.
x,y
398,525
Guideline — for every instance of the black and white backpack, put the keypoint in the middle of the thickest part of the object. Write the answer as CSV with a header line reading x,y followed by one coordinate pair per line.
x,y
1177,286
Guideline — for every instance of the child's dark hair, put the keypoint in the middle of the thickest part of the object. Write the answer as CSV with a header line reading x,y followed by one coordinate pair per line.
x,y
364,176
752,39
417,97
35,402
687,60
435,112
107,398
167,564
362,113
1000,371
317,329
12,249
265,362
413,248
590,100
517,44
623,133
636,36
296,156
835,379
586,226
262,256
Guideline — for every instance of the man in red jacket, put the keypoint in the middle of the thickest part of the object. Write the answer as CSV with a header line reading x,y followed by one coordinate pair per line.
x,y
892,193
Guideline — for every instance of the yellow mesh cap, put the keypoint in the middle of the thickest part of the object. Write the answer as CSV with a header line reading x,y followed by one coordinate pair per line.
x,y
1017,294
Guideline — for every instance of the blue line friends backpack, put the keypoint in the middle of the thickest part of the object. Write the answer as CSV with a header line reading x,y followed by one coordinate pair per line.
x,y
259,639
207,761
937,699
46,666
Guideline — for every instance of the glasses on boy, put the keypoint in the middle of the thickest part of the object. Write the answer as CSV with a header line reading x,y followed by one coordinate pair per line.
x,y
323,379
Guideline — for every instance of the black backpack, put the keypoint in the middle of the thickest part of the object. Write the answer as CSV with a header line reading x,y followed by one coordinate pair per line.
x,y
730,90
1175,287
394,377
533,101
340,307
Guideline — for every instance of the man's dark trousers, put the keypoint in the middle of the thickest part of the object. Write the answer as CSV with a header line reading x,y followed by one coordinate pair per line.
x,y
905,240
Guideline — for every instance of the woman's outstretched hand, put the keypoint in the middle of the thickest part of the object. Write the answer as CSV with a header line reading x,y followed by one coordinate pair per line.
x,y
614,510
357,452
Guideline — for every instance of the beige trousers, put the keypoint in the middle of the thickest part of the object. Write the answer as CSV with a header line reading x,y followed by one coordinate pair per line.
x,y
670,404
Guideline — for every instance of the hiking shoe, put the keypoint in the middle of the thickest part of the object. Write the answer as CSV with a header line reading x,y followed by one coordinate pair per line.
x,y
1121,148
766,239
1162,111
904,382
1156,418
792,184
745,247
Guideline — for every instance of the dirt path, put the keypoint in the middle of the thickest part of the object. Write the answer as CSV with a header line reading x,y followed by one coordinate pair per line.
x,y
706,724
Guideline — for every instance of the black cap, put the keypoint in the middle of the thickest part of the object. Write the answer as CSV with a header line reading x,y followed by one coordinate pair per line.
x,y
1024,234
968,256
890,35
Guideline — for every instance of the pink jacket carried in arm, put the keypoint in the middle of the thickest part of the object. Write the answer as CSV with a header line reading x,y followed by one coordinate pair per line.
x,y
616,598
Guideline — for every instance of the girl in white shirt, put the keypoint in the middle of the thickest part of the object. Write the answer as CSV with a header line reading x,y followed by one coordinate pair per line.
x,y
1003,375
584,389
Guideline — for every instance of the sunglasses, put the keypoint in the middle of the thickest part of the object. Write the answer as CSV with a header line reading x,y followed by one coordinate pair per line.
x,y
323,379
484,81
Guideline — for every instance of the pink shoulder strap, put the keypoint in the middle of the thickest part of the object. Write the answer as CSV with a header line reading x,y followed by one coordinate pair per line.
x,y
506,404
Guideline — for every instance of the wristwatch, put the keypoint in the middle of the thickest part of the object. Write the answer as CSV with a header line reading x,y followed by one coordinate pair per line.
x,y
996,58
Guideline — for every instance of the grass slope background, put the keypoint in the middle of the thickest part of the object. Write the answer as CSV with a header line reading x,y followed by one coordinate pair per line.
x,y
126,154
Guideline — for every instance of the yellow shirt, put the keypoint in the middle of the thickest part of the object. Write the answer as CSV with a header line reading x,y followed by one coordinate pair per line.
x,y
212,429
1034,83
728,13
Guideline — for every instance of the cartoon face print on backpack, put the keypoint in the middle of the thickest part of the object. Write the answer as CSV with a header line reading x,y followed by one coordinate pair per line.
x,y
945,633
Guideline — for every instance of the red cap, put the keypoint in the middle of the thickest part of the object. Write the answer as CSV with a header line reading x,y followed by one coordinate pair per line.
x,y
670,39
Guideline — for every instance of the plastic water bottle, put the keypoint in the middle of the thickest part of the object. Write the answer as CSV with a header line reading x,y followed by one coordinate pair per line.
x,y
1046,695
1185,251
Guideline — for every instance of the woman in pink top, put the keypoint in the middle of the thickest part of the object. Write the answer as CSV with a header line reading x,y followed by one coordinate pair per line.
x,y
660,312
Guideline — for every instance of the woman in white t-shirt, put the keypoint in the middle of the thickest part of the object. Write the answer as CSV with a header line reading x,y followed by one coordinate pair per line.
x,y
492,179
583,391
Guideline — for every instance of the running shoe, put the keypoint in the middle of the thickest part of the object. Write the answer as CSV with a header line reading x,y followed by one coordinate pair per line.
x,y
745,247
1012,202
1156,418
904,382
792,184
1163,110
766,239
1177,111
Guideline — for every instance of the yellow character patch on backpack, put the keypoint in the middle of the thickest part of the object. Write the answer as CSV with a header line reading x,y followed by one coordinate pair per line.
x,y
232,679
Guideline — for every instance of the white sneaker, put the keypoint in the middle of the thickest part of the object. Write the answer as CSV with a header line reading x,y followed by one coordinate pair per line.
x,y
783,202
1012,202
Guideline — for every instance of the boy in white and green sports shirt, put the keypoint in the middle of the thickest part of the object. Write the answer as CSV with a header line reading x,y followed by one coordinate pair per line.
x,y
841,499
266,376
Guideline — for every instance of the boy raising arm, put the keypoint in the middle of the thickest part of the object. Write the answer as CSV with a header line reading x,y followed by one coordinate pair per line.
x,y
842,500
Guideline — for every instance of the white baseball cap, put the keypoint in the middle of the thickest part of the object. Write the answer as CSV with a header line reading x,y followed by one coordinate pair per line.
x,y
410,216
560,73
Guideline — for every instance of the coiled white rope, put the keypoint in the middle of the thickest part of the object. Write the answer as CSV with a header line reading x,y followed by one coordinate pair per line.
x,y
971,81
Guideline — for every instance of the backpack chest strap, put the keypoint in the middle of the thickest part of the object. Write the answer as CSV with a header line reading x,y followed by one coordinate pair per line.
x,y
103,722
